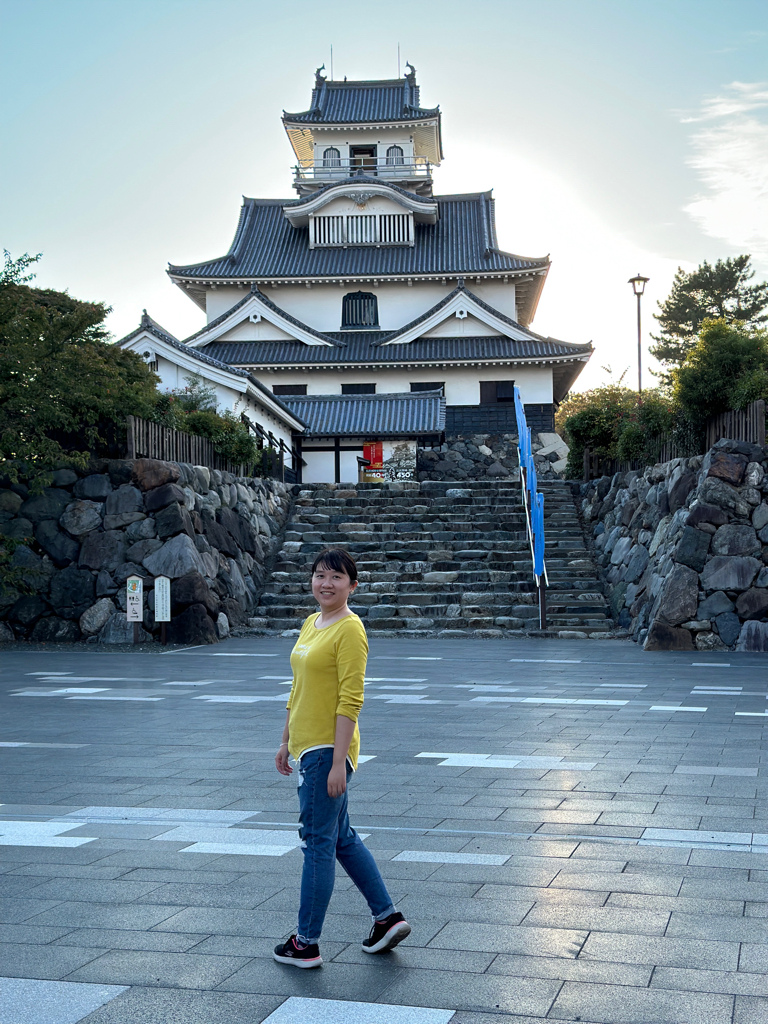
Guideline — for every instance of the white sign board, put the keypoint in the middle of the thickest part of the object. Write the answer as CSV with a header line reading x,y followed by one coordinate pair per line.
x,y
162,599
134,596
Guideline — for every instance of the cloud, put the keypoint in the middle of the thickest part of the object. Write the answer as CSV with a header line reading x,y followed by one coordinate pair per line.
x,y
730,155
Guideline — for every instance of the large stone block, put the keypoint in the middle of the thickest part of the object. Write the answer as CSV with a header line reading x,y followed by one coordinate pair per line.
x,y
162,496
218,537
175,558
61,548
10,501
193,626
679,595
96,487
47,505
753,637
692,548
192,589
125,499
728,626
151,473
27,610
172,520
81,517
703,513
95,618
760,516
636,563
72,592
662,637
52,629
621,550
238,528
715,491
753,603
103,550
729,572
119,631
735,540
728,466
713,605
680,489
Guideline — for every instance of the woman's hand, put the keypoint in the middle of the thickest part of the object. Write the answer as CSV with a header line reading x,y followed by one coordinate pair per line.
x,y
281,760
337,780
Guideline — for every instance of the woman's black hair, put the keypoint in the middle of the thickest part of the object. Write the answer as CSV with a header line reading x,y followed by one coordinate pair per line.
x,y
337,560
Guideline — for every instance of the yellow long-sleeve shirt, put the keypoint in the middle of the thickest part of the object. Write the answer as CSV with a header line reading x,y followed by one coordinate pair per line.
x,y
328,675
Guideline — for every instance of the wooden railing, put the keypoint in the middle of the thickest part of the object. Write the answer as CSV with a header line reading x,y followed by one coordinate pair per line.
x,y
736,424
148,440
739,425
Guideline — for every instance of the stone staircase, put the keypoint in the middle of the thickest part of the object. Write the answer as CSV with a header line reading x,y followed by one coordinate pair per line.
x,y
438,558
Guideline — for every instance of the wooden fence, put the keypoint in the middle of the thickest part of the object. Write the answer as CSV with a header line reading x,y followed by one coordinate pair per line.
x,y
738,425
746,425
148,440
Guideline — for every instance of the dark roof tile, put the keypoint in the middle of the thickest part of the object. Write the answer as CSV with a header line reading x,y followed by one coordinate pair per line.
x,y
388,100
370,415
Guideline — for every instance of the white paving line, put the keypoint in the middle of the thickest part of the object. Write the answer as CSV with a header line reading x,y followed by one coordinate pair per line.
x,y
391,657
393,679
336,1011
40,833
234,699
549,661
195,647
550,700
57,746
217,654
752,714
709,664
433,857
624,686
664,707
521,761
94,696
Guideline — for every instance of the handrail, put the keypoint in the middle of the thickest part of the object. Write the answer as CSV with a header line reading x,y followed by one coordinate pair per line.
x,y
376,166
533,501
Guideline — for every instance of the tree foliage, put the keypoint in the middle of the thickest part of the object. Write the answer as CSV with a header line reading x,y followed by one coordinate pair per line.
x,y
719,292
726,368
64,392
194,409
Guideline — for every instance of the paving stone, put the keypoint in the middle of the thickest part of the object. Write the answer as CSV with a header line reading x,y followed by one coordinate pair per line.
x,y
639,949
613,1004
168,970
175,1006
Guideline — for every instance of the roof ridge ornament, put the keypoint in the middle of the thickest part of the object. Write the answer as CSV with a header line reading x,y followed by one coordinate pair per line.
x,y
319,79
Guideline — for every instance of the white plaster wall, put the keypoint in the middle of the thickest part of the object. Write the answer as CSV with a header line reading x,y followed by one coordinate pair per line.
x,y
377,204
320,305
261,331
173,378
319,468
461,327
462,384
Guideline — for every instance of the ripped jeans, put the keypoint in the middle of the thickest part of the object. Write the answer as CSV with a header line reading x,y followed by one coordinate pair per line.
x,y
327,837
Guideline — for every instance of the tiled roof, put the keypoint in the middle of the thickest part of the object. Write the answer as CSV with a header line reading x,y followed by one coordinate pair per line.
x,y
363,103
266,247
364,348
399,415
150,325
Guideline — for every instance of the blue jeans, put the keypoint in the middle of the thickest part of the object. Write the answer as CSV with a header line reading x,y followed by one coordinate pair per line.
x,y
327,837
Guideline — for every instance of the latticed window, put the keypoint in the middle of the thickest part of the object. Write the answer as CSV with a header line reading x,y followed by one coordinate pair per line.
x,y
331,157
395,155
361,310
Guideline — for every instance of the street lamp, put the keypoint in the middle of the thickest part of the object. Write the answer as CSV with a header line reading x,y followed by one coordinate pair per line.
x,y
638,284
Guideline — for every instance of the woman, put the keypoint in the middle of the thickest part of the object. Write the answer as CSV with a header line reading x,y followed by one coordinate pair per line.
x,y
321,734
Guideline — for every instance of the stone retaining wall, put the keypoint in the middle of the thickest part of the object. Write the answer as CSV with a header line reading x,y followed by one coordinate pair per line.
x,y
684,549
212,534
490,457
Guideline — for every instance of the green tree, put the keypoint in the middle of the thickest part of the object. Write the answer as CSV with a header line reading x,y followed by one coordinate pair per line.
x,y
719,292
595,419
64,392
725,367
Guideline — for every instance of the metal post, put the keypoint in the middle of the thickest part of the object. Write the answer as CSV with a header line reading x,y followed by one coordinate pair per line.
x,y
639,354
542,602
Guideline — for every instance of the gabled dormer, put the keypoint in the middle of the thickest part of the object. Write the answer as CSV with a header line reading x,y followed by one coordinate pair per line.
x,y
373,129
364,212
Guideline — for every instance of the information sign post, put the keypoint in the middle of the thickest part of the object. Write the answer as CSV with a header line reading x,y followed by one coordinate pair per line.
x,y
162,604
134,608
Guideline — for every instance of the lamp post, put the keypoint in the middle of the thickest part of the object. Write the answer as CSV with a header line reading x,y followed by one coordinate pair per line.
x,y
638,285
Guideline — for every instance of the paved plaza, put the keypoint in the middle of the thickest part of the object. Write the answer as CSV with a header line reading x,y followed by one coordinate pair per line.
x,y
576,830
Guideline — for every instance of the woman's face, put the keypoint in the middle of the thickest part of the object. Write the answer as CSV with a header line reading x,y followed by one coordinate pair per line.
x,y
331,588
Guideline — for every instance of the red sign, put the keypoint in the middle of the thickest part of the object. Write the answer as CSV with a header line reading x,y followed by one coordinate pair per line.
x,y
373,453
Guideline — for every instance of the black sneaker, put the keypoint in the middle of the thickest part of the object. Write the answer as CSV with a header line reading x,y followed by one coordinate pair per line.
x,y
306,956
386,934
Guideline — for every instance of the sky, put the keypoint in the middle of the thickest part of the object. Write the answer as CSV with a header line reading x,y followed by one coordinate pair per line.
x,y
618,138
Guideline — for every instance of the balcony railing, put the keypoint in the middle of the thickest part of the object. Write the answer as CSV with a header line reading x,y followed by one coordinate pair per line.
x,y
369,167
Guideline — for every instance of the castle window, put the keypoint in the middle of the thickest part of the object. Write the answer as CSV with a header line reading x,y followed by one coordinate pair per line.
x,y
394,155
358,389
495,391
428,386
289,389
331,157
360,310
